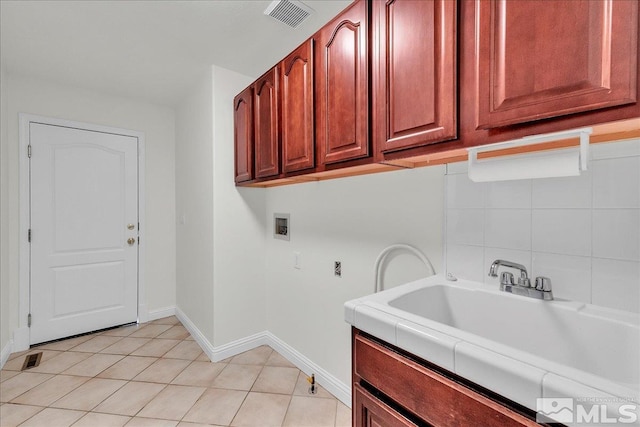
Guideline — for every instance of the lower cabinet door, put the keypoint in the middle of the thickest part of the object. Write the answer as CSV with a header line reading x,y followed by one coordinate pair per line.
x,y
371,412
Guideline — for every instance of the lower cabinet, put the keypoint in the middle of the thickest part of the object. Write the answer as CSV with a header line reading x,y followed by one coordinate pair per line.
x,y
391,389
370,411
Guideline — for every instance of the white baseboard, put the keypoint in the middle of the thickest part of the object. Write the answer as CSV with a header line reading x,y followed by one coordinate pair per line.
x,y
240,346
143,313
202,341
21,340
6,352
161,313
333,385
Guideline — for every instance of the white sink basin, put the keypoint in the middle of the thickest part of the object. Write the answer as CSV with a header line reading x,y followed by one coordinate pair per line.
x,y
520,347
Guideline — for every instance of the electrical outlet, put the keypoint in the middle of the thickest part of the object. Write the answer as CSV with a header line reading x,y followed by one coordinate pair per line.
x,y
337,268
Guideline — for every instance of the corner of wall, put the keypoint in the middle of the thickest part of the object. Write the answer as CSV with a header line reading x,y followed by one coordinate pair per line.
x,y
194,207
238,226
5,304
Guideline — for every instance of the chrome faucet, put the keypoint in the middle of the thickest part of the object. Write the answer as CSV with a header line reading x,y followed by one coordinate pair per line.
x,y
541,289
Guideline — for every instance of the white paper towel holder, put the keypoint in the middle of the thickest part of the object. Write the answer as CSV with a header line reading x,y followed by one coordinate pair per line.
x,y
536,164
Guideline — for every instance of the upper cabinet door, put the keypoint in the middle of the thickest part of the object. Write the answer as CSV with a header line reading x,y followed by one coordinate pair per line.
x,y
243,135
539,59
265,111
342,85
296,89
414,73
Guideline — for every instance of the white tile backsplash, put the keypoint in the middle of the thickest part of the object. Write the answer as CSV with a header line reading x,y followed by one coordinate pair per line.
x,y
583,232
618,284
465,226
466,262
509,194
571,275
616,183
626,148
616,234
463,193
561,231
567,192
508,228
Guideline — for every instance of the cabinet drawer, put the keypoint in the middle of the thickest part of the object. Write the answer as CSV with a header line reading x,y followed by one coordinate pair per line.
x,y
429,395
369,411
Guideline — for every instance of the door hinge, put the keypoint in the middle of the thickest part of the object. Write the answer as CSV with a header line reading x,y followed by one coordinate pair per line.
x,y
29,320
29,150
29,236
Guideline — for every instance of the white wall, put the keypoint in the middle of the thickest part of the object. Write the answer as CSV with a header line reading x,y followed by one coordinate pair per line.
x,y
5,305
582,232
238,227
349,220
39,97
194,206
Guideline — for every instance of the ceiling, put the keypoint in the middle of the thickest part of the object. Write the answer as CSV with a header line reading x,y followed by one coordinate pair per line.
x,y
149,49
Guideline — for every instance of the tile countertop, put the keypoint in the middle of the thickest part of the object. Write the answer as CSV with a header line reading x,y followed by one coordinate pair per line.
x,y
518,375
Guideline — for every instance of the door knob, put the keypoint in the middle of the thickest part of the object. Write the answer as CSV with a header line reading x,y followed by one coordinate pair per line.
x,y
131,226
131,241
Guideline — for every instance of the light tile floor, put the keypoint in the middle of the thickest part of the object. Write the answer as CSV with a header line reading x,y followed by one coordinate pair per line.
x,y
155,374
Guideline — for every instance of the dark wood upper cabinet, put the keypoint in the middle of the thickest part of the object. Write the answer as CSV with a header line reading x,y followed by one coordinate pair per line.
x,y
296,94
267,135
243,135
396,82
414,73
342,86
541,59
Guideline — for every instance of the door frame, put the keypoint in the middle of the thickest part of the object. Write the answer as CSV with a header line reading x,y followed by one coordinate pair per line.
x,y
21,336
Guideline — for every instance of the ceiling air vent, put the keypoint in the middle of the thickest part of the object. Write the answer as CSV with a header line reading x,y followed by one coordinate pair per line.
x,y
291,12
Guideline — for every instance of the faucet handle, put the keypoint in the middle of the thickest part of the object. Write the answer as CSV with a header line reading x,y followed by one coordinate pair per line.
x,y
506,278
524,282
543,284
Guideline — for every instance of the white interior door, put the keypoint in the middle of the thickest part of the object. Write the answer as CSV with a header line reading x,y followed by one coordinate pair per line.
x,y
84,231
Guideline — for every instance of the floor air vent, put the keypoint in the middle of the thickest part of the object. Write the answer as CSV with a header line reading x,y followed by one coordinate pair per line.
x,y
31,361
291,12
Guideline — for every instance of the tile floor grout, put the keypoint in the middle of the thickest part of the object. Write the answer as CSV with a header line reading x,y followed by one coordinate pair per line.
x,y
269,397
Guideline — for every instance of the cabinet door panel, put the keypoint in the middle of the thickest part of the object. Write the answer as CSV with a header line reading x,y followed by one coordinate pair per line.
x,y
265,109
296,87
243,135
371,412
343,86
540,58
415,78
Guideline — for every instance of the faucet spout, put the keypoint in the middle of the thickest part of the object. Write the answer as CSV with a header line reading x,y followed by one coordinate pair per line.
x,y
542,289
493,270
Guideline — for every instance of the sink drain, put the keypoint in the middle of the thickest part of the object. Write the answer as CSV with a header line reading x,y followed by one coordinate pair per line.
x,y
31,361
